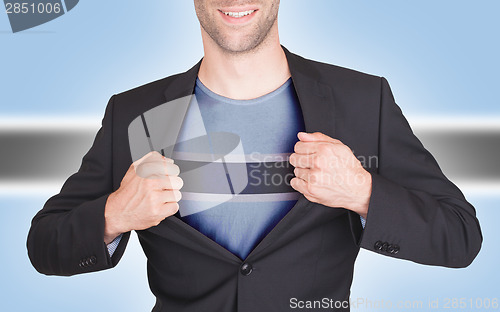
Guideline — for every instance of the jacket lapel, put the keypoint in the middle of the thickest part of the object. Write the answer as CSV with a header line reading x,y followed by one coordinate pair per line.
x,y
318,110
183,85
315,98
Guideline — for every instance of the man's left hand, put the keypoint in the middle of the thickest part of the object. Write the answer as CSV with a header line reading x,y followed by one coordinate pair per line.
x,y
328,173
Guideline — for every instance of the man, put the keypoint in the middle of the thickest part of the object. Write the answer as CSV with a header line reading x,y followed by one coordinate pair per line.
x,y
298,248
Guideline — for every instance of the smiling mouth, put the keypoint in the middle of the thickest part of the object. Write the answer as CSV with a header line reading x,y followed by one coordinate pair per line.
x,y
238,14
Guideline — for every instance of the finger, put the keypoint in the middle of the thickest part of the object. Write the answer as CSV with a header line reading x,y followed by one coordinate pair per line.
x,y
302,161
301,186
132,169
317,137
152,156
168,196
302,147
150,170
171,183
312,177
310,147
143,158
302,173
157,169
172,169
170,208
298,184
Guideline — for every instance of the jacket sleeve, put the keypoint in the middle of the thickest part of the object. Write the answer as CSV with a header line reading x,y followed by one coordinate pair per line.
x,y
67,236
415,212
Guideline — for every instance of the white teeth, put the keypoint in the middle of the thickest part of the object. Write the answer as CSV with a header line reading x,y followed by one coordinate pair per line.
x,y
239,14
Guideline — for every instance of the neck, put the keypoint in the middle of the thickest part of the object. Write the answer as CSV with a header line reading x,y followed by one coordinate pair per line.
x,y
244,76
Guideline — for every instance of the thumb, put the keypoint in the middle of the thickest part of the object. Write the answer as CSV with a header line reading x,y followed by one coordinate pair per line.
x,y
316,137
144,157
151,157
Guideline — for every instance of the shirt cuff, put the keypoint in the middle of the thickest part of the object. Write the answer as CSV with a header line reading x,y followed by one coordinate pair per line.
x,y
112,246
363,221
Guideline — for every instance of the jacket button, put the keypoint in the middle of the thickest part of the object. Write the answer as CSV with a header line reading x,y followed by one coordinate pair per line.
x,y
378,245
82,263
93,260
396,249
246,269
390,249
385,245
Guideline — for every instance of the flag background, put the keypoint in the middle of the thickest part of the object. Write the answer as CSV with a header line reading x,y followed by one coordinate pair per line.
x,y
440,57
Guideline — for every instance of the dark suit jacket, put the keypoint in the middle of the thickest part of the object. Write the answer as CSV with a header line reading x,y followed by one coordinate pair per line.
x,y
415,212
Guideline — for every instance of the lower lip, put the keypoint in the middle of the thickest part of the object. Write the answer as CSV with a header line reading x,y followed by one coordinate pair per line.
x,y
237,20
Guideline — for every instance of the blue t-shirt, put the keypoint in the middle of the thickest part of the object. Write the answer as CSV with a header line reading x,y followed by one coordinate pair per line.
x,y
233,158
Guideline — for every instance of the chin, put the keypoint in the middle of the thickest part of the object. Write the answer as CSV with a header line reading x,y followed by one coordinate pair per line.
x,y
238,45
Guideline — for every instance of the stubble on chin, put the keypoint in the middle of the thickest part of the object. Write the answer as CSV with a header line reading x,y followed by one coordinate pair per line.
x,y
243,45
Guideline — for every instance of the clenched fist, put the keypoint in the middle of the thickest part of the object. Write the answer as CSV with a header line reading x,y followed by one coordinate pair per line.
x,y
148,193
328,173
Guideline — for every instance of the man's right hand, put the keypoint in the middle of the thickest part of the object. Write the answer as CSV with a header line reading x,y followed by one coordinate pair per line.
x,y
148,194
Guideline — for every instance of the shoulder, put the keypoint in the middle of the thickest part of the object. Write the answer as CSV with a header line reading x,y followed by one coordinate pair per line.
x,y
152,90
125,106
336,76
131,103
